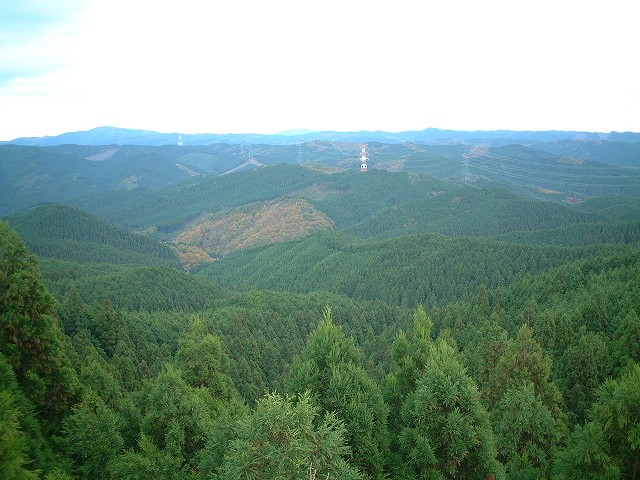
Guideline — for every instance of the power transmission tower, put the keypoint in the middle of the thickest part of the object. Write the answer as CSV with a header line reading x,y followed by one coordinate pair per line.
x,y
466,173
364,158
246,152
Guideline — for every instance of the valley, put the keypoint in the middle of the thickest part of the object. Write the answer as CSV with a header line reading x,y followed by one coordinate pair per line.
x,y
469,307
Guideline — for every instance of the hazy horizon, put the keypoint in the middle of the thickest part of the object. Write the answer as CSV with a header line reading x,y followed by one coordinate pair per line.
x,y
304,131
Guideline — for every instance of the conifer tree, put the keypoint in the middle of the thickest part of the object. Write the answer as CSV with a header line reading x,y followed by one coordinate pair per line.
x,y
608,445
109,326
148,462
583,367
330,368
482,360
284,438
524,361
203,361
92,436
446,432
626,343
74,316
38,451
30,335
13,442
410,352
176,417
526,433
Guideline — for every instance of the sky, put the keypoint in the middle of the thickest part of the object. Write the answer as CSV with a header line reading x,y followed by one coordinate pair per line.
x,y
267,66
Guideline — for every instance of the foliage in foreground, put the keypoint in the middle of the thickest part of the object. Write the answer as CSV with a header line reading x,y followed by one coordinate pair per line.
x,y
473,390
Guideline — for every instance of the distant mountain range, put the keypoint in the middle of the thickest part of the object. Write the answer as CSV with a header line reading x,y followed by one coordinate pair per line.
x,y
433,136
562,170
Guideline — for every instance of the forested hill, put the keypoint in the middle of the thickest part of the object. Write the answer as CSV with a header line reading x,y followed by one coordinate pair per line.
x,y
35,175
412,270
209,217
219,215
148,372
65,233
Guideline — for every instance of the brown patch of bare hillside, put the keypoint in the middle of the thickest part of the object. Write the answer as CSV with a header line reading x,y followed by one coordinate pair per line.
x,y
273,222
191,256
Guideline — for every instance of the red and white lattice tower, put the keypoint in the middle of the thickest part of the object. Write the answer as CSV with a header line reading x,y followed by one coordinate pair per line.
x,y
364,158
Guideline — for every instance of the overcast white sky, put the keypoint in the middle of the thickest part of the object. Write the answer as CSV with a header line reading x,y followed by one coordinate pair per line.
x,y
265,66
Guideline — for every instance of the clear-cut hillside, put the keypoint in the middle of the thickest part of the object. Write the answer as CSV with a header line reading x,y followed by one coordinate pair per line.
x,y
255,225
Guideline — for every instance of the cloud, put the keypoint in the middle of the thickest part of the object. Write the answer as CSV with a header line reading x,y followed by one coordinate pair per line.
x,y
31,16
34,36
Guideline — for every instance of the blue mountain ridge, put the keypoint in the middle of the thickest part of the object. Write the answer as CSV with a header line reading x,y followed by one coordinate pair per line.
x,y
122,136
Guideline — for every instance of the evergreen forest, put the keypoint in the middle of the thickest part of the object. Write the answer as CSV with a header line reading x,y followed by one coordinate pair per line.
x,y
196,313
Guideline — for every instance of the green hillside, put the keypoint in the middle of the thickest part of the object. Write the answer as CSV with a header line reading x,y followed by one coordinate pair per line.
x,y
133,355
171,208
374,204
36,175
129,287
209,212
31,175
411,270
544,175
583,234
65,233
468,211
611,152
613,207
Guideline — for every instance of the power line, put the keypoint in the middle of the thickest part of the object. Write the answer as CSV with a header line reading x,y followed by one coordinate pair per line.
x,y
554,182
515,169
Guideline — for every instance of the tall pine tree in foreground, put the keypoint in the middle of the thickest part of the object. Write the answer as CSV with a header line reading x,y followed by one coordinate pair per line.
x,y
92,436
38,385
446,431
330,368
13,442
30,334
607,447
410,352
284,439
526,433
